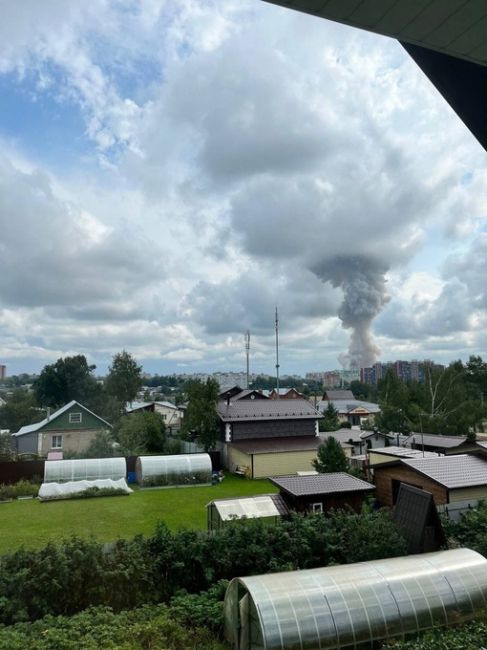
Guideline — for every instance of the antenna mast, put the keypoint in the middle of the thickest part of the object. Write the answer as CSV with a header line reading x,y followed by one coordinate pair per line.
x,y
247,353
277,353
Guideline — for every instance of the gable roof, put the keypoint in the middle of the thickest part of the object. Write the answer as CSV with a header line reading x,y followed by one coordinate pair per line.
x,y
452,472
338,394
31,428
332,483
344,406
266,409
415,511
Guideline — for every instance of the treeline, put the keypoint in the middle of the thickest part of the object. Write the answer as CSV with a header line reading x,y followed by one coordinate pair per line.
x,y
66,578
452,401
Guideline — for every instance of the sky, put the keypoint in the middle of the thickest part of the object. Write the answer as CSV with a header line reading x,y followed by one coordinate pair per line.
x,y
171,170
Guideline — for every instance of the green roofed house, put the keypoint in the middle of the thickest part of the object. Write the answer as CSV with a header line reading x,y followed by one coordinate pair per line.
x,y
71,428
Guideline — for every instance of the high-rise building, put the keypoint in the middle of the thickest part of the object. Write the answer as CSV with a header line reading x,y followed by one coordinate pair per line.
x,y
3,372
404,370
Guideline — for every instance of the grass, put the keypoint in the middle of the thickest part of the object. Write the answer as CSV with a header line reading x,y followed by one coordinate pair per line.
x,y
32,523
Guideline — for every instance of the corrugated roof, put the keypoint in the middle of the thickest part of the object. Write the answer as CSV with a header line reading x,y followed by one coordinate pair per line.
x,y
346,406
433,440
333,483
338,395
458,471
31,428
266,409
343,435
403,452
277,445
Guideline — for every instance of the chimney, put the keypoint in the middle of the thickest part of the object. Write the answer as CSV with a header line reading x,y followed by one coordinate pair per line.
x,y
48,413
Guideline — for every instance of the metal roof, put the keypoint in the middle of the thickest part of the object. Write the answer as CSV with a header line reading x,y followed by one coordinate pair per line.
x,y
403,452
338,394
263,505
433,440
31,428
454,27
277,445
347,406
343,436
266,409
333,483
452,471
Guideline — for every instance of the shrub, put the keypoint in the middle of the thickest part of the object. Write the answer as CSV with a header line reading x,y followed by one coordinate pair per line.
x,y
20,489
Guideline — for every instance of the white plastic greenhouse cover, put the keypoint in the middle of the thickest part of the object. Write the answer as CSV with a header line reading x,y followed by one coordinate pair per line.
x,y
342,606
178,469
249,507
51,491
89,469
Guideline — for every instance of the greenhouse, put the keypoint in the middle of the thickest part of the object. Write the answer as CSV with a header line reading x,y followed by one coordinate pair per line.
x,y
72,489
89,469
344,606
270,507
179,469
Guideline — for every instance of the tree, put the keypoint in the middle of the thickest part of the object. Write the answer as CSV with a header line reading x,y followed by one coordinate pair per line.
x,y
67,379
124,378
141,433
19,410
330,457
330,422
102,446
5,446
201,416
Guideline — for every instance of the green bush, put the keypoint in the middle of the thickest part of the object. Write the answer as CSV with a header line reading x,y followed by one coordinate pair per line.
x,y
65,578
470,531
472,636
20,489
97,628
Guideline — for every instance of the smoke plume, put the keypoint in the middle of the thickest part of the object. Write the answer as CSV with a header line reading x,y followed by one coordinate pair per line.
x,y
364,294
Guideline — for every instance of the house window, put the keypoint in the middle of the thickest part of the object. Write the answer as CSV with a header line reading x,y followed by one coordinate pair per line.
x,y
56,442
317,508
74,418
163,416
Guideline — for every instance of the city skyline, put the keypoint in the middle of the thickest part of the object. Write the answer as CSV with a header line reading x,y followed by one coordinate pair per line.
x,y
169,174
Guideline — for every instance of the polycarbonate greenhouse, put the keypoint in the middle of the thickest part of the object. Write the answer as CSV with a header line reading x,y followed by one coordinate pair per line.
x,y
89,469
343,606
179,469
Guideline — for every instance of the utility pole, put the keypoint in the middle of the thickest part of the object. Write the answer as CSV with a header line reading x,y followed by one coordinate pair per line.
x,y
247,353
277,353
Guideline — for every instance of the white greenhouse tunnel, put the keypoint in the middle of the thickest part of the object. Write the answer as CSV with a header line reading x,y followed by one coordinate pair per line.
x,y
89,469
178,469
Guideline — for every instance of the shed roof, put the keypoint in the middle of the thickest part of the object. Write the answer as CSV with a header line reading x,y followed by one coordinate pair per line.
x,y
434,440
403,452
277,445
31,428
333,483
338,395
266,409
452,472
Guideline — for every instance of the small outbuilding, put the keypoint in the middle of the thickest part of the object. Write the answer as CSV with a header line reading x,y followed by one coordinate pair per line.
x,y
323,492
173,470
346,606
270,507
416,517
84,469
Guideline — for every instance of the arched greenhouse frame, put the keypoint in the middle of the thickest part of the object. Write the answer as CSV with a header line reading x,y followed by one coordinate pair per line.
x,y
174,470
344,606
86,469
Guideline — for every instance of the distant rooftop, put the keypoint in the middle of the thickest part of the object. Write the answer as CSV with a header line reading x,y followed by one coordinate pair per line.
x,y
403,452
433,440
266,409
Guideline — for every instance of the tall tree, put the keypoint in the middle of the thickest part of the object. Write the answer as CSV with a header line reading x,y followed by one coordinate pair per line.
x,y
67,379
141,433
330,457
20,409
330,421
201,416
124,378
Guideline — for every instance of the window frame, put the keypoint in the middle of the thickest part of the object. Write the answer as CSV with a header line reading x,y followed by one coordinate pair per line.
x,y
71,421
55,438
317,508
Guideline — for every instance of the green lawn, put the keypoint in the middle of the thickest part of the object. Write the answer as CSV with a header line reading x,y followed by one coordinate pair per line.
x,y
32,523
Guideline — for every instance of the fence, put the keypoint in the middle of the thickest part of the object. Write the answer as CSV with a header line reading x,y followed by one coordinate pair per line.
x,y
14,471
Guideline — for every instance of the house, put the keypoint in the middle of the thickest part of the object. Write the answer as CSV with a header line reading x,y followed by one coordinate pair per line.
x,y
457,482
349,409
361,441
261,458
261,437
170,413
323,492
69,429
285,393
